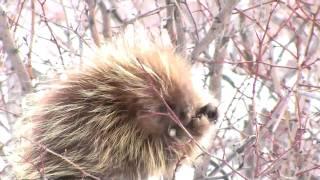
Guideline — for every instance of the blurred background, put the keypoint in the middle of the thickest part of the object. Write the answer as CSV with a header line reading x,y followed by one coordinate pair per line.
x,y
259,58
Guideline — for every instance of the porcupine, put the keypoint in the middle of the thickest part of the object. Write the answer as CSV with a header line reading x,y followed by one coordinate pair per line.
x,y
128,114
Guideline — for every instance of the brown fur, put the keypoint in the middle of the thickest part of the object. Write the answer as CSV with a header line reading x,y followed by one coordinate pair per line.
x,y
111,119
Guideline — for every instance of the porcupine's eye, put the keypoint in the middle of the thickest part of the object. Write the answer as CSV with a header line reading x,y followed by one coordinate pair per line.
x,y
185,117
183,114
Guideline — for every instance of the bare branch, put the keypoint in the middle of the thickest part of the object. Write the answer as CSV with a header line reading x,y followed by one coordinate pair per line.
x,y
10,47
170,23
219,23
92,21
105,20
181,39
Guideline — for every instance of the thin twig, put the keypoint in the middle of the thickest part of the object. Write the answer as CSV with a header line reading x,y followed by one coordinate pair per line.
x,y
32,33
54,39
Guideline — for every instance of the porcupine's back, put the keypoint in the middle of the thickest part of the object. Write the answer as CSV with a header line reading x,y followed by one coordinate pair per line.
x,y
111,119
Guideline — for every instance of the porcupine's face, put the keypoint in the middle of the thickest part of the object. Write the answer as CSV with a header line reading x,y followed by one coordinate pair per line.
x,y
174,100
183,105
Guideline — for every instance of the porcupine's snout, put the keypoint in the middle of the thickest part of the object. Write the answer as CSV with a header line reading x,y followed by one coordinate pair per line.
x,y
210,111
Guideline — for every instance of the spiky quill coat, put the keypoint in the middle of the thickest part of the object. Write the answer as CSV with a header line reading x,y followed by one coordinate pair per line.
x,y
120,117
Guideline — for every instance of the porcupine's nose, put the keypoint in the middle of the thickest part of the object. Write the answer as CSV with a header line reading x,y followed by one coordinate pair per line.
x,y
210,111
